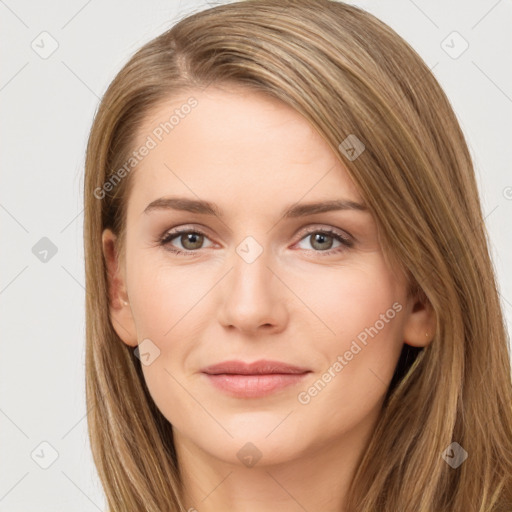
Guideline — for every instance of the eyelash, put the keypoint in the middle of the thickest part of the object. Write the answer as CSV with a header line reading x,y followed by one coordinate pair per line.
x,y
168,236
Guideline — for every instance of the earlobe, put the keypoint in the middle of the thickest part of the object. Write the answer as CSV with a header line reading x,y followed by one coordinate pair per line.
x,y
119,310
420,323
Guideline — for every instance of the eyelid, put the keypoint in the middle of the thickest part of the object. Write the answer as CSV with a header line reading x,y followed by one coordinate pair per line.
x,y
176,231
328,229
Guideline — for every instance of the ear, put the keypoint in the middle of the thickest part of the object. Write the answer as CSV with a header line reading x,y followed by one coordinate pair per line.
x,y
119,307
420,321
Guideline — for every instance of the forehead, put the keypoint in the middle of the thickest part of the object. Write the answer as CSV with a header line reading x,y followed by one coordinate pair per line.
x,y
235,143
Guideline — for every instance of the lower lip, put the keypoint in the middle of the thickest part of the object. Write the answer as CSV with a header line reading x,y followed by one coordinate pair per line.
x,y
254,386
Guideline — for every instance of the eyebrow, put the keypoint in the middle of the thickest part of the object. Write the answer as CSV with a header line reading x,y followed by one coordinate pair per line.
x,y
293,211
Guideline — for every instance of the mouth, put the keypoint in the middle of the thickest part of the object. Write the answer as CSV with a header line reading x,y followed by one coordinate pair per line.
x,y
253,380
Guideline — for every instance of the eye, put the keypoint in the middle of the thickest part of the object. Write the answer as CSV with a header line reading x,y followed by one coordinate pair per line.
x,y
190,240
322,241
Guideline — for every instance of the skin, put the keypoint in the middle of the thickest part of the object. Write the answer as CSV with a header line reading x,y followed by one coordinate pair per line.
x,y
253,156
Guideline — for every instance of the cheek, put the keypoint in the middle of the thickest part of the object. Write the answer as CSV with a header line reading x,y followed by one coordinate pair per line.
x,y
168,305
165,298
163,308
350,301
362,309
368,308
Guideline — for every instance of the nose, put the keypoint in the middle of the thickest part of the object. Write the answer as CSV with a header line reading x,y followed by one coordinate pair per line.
x,y
253,297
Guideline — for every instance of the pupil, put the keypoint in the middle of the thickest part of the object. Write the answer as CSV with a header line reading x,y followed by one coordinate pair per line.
x,y
191,238
321,239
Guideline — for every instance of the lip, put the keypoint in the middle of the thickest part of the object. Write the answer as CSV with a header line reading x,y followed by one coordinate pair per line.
x,y
260,367
253,380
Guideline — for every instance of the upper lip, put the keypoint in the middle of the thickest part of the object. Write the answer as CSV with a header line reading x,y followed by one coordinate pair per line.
x,y
261,367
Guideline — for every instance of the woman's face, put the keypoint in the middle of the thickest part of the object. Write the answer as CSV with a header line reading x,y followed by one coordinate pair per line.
x,y
309,289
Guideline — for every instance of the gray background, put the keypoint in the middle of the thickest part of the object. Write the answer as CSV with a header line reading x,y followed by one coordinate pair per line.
x,y
47,105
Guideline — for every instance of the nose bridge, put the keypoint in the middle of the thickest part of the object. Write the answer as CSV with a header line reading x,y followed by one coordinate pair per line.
x,y
250,267
251,295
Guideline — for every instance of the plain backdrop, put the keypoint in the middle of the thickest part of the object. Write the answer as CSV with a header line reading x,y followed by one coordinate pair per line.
x,y
57,60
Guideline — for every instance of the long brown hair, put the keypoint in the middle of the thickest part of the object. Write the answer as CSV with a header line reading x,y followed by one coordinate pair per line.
x,y
347,73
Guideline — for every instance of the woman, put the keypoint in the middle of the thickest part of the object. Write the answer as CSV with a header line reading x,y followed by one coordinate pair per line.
x,y
290,299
